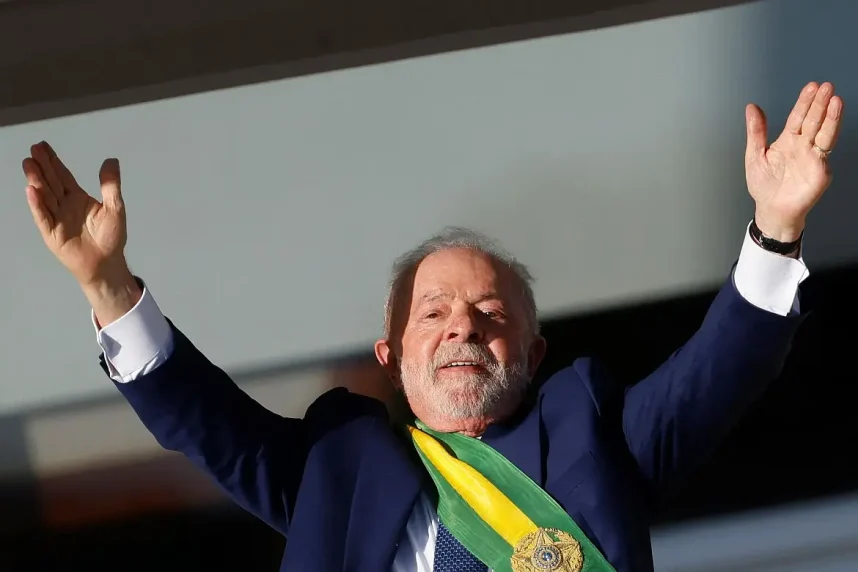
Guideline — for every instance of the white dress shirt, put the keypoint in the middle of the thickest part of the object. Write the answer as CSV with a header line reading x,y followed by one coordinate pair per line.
x,y
141,340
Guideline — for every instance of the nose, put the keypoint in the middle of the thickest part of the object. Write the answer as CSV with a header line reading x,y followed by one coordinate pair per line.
x,y
464,328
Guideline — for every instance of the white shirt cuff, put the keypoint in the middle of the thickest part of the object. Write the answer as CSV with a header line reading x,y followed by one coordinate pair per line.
x,y
138,342
767,280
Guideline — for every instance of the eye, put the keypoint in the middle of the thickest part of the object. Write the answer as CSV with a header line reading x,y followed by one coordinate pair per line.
x,y
493,314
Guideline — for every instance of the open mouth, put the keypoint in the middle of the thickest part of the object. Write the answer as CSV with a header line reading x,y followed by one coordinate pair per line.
x,y
455,364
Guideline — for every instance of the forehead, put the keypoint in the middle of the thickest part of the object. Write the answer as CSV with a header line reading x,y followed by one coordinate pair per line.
x,y
461,272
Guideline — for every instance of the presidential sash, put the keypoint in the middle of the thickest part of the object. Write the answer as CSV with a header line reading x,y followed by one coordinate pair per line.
x,y
497,512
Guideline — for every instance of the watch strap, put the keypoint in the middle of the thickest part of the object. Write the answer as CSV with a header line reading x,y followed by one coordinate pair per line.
x,y
770,244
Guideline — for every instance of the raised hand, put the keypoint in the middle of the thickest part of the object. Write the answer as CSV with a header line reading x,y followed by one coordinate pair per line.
x,y
86,235
788,177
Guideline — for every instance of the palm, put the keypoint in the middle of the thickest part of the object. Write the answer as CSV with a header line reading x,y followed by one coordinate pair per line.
x,y
83,233
86,232
787,178
791,174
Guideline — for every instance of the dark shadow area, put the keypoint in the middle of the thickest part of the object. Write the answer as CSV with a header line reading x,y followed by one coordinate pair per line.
x,y
212,539
19,505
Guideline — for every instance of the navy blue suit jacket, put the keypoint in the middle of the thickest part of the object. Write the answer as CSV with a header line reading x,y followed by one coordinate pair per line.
x,y
341,483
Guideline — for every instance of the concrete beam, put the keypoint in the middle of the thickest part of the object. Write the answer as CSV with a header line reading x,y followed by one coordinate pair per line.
x,y
59,58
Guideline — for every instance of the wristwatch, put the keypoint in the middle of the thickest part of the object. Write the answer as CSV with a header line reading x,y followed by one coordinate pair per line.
x,y
770,244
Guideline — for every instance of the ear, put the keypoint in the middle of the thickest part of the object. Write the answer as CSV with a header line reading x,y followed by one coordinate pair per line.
x,y
385,356
535,355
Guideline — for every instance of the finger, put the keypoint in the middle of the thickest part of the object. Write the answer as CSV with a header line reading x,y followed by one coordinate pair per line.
x,y
41,214
36,180
66,178
39,152
802,106
111,184
826,139
755,124
815,116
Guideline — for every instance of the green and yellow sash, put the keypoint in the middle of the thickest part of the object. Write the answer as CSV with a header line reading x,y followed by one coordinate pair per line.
x,y
497,512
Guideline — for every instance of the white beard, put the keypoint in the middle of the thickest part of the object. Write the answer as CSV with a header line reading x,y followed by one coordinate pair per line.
x,y
469,395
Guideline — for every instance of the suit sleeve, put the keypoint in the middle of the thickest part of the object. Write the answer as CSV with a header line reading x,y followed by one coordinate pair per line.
x,y
191,406
676,416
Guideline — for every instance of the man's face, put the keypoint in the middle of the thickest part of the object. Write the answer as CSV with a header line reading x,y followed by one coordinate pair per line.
x,y
466,351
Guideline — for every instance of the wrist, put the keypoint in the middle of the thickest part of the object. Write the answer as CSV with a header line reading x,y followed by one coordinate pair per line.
x,y
112,294
790,249
781,231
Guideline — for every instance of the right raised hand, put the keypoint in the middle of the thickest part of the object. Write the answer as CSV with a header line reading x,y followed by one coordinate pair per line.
x,y
87,236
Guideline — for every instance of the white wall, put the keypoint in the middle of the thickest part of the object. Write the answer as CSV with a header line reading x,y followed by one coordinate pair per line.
x,y
265,218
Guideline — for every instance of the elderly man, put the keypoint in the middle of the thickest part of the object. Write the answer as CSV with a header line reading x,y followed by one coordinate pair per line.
x,y
489,475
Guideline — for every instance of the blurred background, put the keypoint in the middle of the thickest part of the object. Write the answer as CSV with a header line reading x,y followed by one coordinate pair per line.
x,y
276,158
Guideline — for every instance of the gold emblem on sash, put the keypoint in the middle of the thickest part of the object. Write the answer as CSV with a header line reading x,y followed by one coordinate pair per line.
x,y
547,549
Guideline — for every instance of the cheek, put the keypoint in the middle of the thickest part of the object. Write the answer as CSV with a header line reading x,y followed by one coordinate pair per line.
x,y
506,350
419,347
501,349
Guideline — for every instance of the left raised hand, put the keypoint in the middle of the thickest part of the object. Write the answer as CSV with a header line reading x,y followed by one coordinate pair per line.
x,y
789,176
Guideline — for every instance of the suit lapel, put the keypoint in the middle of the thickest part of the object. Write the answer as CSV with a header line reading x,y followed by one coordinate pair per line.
x,y
388,486
520,441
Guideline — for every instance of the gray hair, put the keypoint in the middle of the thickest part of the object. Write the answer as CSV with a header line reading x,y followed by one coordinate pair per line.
x,y
451,237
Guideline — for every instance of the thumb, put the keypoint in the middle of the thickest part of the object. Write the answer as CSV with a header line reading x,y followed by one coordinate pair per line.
x,y
111,185
755,123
